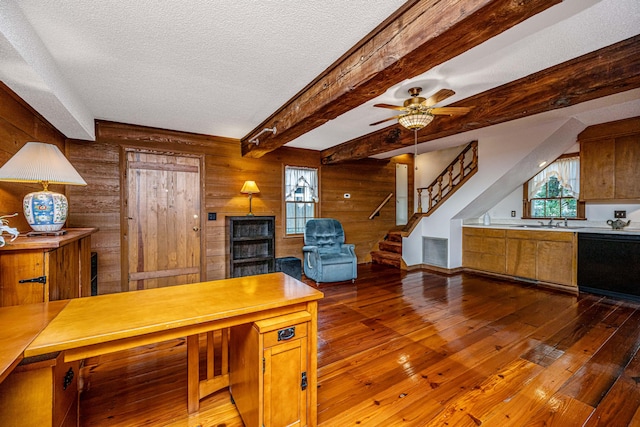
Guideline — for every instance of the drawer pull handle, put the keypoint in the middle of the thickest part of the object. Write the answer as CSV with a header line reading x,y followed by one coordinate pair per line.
x,y
68,379
286,334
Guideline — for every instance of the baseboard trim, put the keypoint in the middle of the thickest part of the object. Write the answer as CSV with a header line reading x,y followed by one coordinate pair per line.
x,y
436,269
554,286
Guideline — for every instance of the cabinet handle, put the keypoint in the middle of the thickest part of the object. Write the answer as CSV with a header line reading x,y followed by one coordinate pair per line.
x,y
196,228
304,382
286,334
41,279
68,379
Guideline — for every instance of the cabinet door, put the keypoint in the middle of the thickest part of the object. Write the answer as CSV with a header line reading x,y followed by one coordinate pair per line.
x,y
484,249
627,175
64,272
22,265
521,258
285,395
597,167
555,262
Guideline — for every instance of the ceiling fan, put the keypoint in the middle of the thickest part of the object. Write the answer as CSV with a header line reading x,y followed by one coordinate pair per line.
x,y
419,111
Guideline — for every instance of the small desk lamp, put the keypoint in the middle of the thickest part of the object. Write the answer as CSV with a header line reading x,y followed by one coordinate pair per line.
x,y
45,211
250,187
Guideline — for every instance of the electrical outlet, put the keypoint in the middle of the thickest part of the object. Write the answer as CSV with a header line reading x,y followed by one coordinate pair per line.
x,y
513,214
619,214
211,216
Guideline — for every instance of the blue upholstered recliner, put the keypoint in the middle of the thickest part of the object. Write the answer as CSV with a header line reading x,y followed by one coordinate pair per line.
x,y
326,257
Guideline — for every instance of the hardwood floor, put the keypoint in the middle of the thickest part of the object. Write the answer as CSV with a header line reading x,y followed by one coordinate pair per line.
x,y
420,349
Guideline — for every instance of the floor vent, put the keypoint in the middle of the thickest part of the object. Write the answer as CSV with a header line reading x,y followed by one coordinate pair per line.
x,y
435,251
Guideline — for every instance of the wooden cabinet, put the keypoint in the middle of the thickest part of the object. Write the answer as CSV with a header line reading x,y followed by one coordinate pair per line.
x,y
46,268
40,393
251,245
483,249
609,159
544,256
268,371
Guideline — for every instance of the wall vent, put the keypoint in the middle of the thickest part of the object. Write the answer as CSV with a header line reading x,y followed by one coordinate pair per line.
x,y
435,251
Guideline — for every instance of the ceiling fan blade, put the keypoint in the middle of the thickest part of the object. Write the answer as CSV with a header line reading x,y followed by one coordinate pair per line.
x,y
439,96
385,120
392,107
450,111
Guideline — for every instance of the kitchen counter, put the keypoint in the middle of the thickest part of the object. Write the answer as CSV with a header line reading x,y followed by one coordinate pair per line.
x,y
571,228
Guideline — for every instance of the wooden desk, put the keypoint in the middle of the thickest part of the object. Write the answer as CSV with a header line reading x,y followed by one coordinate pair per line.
x,y
20,325
103,324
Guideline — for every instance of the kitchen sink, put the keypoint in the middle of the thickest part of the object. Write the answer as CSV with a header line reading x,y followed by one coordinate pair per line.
x,y
551,227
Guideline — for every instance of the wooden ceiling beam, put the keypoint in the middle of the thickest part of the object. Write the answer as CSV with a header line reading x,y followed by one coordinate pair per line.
x,y
419,36
604,72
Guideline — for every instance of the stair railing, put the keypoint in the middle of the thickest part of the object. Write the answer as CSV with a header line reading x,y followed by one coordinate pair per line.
x,y
463,167
380,206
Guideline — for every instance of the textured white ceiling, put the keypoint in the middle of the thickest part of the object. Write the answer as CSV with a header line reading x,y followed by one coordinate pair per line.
x,y
221,67
215,67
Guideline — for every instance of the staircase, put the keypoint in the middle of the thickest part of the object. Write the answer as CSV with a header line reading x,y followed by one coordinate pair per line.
x,y
390,250
463,167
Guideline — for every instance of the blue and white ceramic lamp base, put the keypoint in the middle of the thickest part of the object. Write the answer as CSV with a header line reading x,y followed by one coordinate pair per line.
x,y
45,211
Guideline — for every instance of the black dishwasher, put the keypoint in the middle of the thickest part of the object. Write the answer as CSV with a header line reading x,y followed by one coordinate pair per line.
x,y
609,264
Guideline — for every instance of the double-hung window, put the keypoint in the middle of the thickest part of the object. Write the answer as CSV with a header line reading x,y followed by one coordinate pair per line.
x,y
553,193
301,197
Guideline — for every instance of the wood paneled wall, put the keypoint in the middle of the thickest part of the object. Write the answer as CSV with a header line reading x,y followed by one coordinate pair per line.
x,y
19,124
101,164
98,204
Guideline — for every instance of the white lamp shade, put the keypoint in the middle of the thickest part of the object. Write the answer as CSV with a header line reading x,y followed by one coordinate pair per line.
x,y
40,162
45,211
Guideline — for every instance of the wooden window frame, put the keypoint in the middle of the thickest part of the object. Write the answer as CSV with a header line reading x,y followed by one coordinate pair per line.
x,y
526,203
285,203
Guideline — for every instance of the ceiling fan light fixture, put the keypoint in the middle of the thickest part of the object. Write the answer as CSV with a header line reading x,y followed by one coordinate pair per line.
x,y
415,120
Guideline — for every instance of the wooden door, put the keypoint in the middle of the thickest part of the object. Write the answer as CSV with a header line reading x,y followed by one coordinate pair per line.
x,y
163,220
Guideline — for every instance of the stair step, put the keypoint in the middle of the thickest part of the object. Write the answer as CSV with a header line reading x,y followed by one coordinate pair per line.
x,y
392,246
394,236
387,258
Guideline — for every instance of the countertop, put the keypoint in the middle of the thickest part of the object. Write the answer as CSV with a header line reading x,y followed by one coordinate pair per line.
x,y
587,228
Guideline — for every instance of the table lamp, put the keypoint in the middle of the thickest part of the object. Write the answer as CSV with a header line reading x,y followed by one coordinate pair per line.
x,y
250,188
45,211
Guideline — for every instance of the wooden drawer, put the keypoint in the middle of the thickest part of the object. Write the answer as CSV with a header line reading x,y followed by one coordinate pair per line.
x,y
283,328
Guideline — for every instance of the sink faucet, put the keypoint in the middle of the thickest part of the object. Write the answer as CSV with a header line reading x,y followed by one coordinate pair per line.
x,y
566,222
551,222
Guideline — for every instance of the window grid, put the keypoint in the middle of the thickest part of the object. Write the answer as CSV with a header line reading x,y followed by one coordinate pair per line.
x,y
300,198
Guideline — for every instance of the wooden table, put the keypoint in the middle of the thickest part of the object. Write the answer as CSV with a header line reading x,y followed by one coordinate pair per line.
x,y
20,325
103,324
